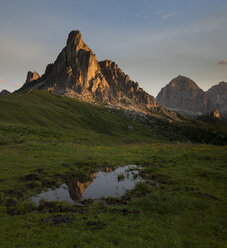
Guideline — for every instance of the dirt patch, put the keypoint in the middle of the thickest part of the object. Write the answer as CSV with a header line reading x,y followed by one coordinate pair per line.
x,y
31,185
58,219
125,211
116,201
64,165
30,177
10,203
190,188
154,179
58,207
95,225
14,193
203,175
207,196
49,183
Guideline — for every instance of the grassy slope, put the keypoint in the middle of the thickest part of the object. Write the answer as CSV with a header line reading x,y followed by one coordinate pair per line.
x,y
40,109
39,131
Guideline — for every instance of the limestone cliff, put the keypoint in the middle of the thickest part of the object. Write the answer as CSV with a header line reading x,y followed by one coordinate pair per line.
x,y
184,96
124,91
217,98
210,116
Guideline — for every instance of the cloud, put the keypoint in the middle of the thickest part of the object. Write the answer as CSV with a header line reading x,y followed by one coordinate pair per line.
x,y
1,80
16,84
222,62
168,15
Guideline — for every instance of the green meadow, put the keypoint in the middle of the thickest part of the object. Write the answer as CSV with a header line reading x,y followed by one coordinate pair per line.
x,y
45,139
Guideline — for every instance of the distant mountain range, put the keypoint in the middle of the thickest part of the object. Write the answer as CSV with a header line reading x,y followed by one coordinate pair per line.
x,y
184,96
77,73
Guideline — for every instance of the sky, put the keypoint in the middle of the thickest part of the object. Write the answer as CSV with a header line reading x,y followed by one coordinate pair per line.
x,y
152,41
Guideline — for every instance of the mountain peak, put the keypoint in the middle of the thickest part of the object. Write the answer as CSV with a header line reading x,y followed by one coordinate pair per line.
x,y
222,83
183,82
183,95
4,92
31,76
74,37
77,73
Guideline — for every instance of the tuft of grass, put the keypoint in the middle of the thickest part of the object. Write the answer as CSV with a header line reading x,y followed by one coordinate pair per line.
x,y
120,177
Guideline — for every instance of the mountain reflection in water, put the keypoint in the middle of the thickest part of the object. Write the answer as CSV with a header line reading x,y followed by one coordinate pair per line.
x,y
100,184
76,188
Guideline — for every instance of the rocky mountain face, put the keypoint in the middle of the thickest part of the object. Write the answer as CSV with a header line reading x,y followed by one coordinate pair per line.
x,y
4,92
123,89
210,116
217,98
184,96
31,76
76,73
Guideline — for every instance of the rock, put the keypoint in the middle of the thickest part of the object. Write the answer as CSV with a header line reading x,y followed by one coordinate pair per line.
x,y
184,96
4,92
210,116
95,225
217,99
58,219
31,76
30,177
123,90
77,73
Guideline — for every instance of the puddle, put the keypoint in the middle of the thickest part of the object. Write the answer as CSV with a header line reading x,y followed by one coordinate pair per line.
x,y
112,183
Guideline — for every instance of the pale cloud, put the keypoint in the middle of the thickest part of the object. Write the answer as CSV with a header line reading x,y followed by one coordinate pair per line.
x,y
222,62
16,84
168,15
158,12
1,80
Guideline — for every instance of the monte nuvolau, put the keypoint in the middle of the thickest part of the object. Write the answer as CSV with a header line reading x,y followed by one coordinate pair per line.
x,y
89,159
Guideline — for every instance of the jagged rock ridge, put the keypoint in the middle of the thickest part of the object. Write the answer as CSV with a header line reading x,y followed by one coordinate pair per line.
x,y
76,73
31,76
184,96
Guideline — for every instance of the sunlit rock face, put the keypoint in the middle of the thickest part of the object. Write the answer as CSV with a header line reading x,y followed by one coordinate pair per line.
x,y
210,116
31,76
76,73
124,91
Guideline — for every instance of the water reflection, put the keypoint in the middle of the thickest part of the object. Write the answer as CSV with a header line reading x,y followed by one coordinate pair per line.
x,y
100,184
76,188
